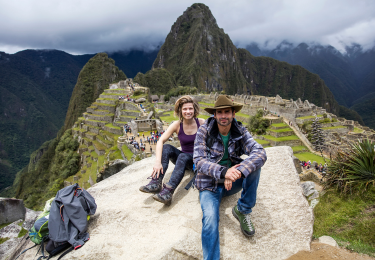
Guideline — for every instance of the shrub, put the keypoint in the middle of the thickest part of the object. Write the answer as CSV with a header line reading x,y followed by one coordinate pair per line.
x,y
258,124
353,169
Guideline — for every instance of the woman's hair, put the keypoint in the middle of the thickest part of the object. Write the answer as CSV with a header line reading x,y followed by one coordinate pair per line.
x,y
183,100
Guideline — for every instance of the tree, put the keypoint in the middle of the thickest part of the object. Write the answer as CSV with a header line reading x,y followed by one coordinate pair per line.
x,y
258,124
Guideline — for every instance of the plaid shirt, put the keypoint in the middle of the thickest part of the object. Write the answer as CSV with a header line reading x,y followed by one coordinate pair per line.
x,y
206,158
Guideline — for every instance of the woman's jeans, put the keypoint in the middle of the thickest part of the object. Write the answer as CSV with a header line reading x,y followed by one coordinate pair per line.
x,y
181,161
210,203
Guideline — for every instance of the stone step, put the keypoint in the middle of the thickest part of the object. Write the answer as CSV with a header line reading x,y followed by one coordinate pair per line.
x,y
95,123
103,106
87,141
109,136
119,91
91,109
106,118
275,133
135,113
90,136
119,123
292,140
94,129
103,141
125,118
112,96
99,148
101,112
106,101
113,129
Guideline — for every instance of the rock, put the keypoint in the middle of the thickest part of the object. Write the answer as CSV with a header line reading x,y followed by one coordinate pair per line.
x,y
313,203
308,188
313,195
113,168
30,218
328,240
297,164
130,224
11,210
9,246
140,100
11,230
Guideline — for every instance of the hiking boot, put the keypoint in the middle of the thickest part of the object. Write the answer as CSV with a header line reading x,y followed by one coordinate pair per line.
x,y
165,196
153,187
247,227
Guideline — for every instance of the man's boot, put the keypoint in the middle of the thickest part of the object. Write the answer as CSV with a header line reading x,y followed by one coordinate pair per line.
x,y
247,226
153,186
165,196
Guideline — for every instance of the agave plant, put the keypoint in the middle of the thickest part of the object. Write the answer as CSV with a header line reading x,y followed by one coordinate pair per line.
x,y
353,169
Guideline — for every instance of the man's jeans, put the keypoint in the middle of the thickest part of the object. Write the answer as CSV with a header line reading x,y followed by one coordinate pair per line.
x,y
210,203
181,161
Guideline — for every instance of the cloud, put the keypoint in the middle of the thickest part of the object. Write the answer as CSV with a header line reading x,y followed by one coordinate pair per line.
x,y
83,26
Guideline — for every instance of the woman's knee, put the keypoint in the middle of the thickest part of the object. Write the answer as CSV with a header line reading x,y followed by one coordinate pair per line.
x,y
184,157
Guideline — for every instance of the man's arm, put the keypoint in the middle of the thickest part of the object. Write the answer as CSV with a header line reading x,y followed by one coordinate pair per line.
x,y
200,156
257,155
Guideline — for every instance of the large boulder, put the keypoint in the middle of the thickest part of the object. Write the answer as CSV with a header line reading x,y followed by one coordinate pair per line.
x,y
11,210
130,224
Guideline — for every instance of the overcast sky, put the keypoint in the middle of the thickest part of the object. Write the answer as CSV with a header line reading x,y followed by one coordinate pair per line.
x,y
91,26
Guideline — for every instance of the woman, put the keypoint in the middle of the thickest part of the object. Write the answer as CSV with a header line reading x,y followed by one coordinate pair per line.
x,y
186,128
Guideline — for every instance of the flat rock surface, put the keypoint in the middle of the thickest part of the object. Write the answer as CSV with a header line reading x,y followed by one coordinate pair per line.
x,y
129,224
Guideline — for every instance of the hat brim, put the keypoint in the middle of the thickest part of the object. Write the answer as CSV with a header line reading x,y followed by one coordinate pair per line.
x,y
212,110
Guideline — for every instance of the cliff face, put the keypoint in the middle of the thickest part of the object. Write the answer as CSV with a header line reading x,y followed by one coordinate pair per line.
x,y
95,76
198,53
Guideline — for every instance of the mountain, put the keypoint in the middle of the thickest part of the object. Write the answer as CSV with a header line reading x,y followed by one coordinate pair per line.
x,y
198,53
35,89
57,159
350,75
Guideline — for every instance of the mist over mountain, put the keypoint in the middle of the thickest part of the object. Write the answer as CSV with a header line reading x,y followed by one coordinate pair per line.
x,y
350,75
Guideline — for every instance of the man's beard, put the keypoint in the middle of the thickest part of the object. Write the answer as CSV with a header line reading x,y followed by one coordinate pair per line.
x,y
229,121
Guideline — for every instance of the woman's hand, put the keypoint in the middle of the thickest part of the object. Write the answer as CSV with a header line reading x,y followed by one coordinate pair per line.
x,y
157,170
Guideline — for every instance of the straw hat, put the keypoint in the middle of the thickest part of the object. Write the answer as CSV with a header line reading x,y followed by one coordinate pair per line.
x,y
223,101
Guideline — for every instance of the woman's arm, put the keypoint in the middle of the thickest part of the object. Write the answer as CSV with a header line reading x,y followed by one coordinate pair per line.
x,y
158,168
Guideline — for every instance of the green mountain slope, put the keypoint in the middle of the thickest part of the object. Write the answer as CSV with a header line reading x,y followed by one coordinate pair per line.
x,y
57,159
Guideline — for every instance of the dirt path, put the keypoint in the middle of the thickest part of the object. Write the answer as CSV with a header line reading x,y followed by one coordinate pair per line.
x,y
326,252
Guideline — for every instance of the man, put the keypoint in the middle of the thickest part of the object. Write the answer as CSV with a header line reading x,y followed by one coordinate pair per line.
x,y
221,172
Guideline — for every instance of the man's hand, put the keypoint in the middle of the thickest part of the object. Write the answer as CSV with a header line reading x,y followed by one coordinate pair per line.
x,y
157,170
233,174
228,184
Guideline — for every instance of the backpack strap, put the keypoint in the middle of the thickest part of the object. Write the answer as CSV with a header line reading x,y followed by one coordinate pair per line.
x,y
209,143
65,253
26,250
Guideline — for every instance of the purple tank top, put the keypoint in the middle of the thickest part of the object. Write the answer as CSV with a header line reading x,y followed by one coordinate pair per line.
x,y
187,141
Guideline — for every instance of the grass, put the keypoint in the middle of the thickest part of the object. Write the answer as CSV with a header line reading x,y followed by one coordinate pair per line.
x,y
299,148
350,219
169,117
2,240
310,156
242,115
115,155
127,152
280,139
104,104
357,130
206,104
4,225
308,117
282,130
333,127
259,141
99,146
280,125
112,126
22,232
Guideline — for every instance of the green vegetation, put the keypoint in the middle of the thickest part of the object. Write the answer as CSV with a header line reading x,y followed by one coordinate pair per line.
x,y
168,117
299,148
22,232
2,240
206,104
348,219
309,156
262,142
258,124
128,154
353,171
280,125
180,90
282,130
357,130
281,139
96,75
160,81
333,127
309,117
